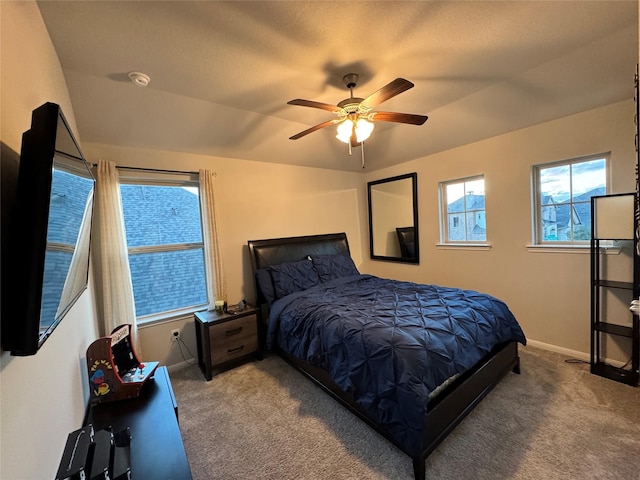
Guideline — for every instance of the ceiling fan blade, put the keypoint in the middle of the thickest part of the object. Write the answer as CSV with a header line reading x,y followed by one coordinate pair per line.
x,y
314,128
399,118
311,103
390,90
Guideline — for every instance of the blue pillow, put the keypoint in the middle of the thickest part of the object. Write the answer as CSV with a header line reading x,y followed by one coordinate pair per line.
x,y
330,267
265,283
292,277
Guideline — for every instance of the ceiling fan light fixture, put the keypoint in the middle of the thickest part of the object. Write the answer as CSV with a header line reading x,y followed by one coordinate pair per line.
x,y
363,129
344,131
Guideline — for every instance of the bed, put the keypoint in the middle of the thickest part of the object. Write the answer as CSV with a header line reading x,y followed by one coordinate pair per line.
x,y
410,360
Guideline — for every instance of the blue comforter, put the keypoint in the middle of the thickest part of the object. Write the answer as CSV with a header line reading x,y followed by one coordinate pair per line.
x,y
390,343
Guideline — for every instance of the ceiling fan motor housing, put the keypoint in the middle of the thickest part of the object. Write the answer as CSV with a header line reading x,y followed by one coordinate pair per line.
x,y
350,80
350,104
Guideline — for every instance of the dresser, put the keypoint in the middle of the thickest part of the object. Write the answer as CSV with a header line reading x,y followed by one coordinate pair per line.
x,y
157,451
226,339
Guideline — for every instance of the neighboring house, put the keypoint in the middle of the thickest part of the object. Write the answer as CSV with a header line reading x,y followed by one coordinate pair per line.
x,y
467,219
549,219
560,217
175,219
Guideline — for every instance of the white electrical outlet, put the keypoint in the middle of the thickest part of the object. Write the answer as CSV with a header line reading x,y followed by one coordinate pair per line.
x,y
175,335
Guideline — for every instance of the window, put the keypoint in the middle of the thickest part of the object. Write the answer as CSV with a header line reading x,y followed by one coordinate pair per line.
x,y
166,250
563,192
67,209
463,218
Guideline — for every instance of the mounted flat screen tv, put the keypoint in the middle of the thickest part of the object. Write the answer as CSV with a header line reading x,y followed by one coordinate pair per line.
x,y
50,232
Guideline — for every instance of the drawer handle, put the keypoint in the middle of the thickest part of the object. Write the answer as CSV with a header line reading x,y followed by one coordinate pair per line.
x,y
231,351
235,331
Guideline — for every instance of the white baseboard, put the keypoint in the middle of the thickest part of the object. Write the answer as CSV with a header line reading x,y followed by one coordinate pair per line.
x,y
571,353
179,366
562,350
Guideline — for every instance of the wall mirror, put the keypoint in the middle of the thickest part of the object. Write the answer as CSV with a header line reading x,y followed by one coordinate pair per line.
x,y
393,218
51,234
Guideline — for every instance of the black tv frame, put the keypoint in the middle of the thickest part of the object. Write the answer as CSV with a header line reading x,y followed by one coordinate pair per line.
x,y
48,137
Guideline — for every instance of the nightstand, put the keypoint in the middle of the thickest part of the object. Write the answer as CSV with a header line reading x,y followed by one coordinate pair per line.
x,y
224,339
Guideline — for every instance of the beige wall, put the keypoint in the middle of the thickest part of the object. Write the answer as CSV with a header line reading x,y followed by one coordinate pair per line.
x,y
43,397
31,71
548,292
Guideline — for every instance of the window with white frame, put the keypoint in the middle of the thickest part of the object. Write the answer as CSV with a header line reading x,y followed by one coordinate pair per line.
x,y
463,217
165,244
562,199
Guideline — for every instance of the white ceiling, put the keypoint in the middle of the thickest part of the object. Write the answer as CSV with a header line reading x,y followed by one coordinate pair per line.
x,y
222,72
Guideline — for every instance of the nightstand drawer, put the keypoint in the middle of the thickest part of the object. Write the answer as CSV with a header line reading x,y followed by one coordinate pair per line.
x,y
225,339
233,339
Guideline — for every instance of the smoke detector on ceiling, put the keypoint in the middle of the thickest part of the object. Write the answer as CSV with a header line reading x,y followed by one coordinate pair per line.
x,y
140,79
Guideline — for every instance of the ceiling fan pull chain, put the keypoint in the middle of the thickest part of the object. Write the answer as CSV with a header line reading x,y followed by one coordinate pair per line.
x,y
362,154
349,148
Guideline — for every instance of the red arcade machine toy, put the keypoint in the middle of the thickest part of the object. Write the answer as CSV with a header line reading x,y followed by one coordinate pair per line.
x,y
115,372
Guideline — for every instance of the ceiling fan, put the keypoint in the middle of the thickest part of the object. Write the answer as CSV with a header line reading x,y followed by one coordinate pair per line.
x,y
355,116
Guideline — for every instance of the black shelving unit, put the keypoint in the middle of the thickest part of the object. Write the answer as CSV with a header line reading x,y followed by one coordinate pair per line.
x,y
613,224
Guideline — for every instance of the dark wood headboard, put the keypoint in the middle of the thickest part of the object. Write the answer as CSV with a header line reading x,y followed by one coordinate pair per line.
x,y
275,251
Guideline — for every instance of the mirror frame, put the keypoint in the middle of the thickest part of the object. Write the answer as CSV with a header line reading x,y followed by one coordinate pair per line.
x,y
414,193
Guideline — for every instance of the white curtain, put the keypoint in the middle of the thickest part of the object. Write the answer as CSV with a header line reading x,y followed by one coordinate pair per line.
x,y
216,289
77,275
118,306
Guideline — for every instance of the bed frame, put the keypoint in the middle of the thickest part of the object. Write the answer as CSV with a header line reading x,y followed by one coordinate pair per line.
x,y
445,411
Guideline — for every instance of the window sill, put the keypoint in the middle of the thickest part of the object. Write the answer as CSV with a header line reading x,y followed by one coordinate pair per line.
x,y
168,317
585,249
463,246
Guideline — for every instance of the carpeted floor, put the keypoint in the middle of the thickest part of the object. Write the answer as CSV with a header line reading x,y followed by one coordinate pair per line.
x,y
264,420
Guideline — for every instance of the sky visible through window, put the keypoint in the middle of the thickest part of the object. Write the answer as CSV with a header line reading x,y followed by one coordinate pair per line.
x,y
455,191
564,198
585,176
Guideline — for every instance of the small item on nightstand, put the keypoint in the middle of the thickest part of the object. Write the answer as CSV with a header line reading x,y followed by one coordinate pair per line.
x,y
219,306
233,309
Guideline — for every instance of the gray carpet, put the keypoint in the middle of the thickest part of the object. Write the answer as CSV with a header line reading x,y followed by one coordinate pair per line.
x,y
264,420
